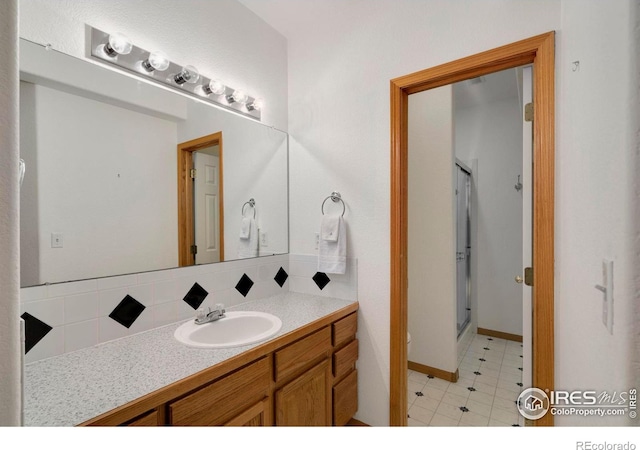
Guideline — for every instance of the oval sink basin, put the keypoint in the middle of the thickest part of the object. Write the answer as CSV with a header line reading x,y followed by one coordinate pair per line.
x,y
237,328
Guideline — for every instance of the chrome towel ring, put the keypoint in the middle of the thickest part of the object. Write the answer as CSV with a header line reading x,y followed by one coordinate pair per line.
x,y
335,198
252,204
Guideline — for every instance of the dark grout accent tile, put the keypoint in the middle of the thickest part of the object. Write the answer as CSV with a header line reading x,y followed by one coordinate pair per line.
x,y
464,409
127,311
34,330
321,279
281,277
419,394
244,285
195,296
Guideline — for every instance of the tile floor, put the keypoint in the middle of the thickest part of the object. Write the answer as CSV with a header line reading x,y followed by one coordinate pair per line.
x,y
485,394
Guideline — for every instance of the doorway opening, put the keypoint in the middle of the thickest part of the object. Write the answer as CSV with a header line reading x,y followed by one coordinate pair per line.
x,y
200,201
538,51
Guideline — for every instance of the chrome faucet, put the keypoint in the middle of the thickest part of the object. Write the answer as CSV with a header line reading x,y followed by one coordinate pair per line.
x,y
203,317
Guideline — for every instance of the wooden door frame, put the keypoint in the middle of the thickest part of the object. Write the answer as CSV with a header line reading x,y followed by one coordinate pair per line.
x,y
185,196
539,51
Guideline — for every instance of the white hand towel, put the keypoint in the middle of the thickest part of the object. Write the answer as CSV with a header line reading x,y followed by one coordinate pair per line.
x,y
329,228
332,255
245,228
248,248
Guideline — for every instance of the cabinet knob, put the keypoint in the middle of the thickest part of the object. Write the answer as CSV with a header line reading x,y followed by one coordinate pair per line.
x,y
519,279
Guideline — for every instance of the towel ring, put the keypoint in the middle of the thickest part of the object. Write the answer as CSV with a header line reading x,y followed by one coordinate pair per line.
x,y
252,204
335,197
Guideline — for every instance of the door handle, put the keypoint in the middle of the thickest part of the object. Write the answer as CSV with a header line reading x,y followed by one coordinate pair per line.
x,y
519,279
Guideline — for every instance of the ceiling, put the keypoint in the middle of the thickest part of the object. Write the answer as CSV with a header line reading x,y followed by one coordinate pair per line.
x,y
494,87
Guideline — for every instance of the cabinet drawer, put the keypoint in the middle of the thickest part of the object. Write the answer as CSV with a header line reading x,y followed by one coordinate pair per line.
x,y
344,329
223,399
297,355
149,419
345,359
345,399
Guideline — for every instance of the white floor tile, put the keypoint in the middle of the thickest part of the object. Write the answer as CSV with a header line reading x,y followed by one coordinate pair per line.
x,y
439,420
479,408
420,414
450,411
426,403
471,419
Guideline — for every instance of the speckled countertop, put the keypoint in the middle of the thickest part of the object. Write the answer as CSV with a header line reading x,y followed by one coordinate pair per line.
x,y
69,389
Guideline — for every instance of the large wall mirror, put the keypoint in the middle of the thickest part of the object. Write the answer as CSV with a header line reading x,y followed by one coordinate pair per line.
x,y
123,176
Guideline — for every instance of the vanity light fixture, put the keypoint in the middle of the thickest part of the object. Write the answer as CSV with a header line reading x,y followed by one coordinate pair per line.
x,y
238,96
256,105
214,87
156,61
116,49
118,44
188,74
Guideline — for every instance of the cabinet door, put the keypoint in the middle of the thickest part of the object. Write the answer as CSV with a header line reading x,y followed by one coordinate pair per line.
x,y
257,416
306,401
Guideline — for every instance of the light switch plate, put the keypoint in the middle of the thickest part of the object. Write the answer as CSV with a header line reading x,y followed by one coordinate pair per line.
x,y
57,240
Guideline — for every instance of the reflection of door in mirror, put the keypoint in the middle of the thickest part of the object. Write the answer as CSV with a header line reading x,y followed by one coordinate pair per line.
x,y
200,204
206,200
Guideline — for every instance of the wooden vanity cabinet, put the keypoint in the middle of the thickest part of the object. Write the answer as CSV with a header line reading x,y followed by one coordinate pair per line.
x,y
305,378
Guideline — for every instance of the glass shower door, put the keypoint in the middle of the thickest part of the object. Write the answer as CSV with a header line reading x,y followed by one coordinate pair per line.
x,y
463,248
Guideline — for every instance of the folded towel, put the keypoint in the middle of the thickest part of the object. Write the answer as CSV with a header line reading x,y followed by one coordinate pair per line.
x,y
248,248
329,228
245,228
332,255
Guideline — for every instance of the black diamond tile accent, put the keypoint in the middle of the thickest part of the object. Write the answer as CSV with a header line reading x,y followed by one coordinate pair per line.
x,y
195,296
489,339
419,394
520,356
481,359
281,277
471,388
515,425
127,311
464,409
430,377
520,384
321,279
244,285
34,330
487,348
520,369
477,373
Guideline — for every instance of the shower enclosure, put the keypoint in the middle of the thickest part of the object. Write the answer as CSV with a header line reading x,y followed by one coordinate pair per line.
x,y
463,246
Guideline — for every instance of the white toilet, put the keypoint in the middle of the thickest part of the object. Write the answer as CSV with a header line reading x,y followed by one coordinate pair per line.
x,y
408,344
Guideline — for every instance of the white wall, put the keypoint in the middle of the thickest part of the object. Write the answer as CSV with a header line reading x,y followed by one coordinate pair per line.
x,y
431,228
339,123
492,134
9,221
596,205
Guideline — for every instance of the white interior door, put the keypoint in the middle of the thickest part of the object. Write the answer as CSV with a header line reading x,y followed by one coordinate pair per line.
x,y
206,197
527,229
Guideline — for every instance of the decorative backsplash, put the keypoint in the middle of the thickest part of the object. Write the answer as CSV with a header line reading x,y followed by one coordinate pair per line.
x,y
65,317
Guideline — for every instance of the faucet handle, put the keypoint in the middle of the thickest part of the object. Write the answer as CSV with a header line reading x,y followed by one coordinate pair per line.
x,y
220,307
200,314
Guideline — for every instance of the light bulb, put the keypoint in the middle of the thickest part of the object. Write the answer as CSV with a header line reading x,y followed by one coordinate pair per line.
x,y
118,44
156,61
257,105
237,96
214,87
189,74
